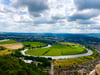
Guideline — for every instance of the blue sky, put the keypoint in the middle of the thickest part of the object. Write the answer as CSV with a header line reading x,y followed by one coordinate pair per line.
x,y
6,2
50,16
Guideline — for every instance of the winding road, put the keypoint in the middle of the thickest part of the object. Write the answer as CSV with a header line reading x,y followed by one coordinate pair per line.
x,y
60,57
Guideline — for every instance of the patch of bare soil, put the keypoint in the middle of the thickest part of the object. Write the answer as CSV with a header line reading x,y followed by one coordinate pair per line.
x,y
12,46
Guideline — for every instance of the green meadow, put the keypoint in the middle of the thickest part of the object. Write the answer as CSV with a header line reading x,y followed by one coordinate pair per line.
x,y
34,44
57,50
8,42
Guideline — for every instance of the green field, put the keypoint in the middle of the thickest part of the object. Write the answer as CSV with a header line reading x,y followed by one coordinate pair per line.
x,y
8,42
76,61
69,43
57,50
34,44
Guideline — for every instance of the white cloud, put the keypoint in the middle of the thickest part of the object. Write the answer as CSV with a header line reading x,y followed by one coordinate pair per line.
x,y
53,17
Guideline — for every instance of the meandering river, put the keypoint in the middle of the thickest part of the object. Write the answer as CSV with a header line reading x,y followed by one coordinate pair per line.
x,y
60,57
4,40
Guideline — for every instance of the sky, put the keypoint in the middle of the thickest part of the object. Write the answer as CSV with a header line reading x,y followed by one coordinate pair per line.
x,y
50,16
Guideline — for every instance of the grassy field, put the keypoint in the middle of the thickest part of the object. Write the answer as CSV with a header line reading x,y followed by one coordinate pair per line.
x,y
72,61
6,51
69,43
76,61
7,47
34,44
57,50
8,42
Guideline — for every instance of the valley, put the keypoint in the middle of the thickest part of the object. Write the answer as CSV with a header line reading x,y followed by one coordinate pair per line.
x,y
53,55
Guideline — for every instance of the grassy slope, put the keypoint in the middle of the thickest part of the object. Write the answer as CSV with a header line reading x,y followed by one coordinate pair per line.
x,y
34,44
69,43
57,50
76,61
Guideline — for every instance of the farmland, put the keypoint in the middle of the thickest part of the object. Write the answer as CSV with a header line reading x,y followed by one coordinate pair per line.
x,y
69,43
76,61
8,42
57,50
7,47
33,44
12,46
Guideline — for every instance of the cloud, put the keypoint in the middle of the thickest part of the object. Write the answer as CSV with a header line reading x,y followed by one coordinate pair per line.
x,y
87,4
49,16
58,17
35,7
6,10
86,22
86,9
83,15
45,22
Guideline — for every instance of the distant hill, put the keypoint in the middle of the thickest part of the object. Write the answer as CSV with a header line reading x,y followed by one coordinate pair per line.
x,y
94,35
46,34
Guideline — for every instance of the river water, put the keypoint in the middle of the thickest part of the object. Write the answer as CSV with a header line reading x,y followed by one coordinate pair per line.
x,y
4,40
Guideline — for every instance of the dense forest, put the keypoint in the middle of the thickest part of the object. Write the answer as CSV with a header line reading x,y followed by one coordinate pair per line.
x,y
10,65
